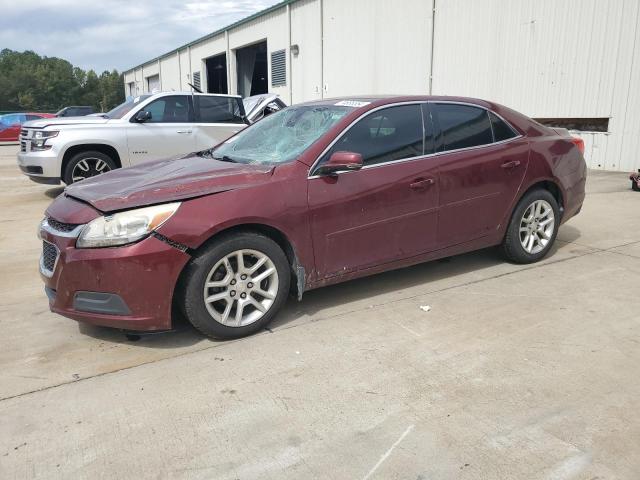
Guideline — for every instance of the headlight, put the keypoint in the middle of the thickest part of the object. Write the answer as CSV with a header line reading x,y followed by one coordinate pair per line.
x,y
124,227
46,133
38,142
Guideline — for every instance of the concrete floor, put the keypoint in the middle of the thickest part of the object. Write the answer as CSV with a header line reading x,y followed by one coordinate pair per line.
x,y
521,372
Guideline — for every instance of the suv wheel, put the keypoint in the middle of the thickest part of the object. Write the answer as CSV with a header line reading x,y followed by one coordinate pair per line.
x,y
87,164
533,227
235,286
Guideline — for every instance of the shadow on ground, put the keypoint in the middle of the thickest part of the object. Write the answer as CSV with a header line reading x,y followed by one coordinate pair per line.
x,y
314,301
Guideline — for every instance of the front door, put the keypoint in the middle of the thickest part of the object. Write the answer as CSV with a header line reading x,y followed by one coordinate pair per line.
x,y
169,132
387,210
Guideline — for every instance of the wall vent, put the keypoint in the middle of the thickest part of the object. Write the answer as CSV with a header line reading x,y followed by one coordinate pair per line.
x,y
278,68
196,80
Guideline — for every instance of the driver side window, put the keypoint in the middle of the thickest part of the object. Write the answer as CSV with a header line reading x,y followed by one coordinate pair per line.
x,y
174,109
394,133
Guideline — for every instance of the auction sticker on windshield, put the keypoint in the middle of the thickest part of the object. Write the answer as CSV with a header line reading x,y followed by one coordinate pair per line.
x,y
351,103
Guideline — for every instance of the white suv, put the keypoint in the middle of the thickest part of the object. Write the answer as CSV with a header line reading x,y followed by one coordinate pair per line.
x,y
144,128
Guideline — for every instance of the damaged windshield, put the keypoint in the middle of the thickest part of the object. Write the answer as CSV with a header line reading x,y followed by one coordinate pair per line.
x,y
282,136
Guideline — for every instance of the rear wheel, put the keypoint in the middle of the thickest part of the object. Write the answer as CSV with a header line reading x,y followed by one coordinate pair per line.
x,y
235,286
87,164
533,227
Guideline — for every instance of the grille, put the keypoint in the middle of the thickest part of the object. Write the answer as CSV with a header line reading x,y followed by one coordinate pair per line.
x,y
59,226
24,134
49,256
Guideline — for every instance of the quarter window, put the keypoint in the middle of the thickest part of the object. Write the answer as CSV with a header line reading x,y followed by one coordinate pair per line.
x,y
501,130
385,135
174,109
463,126
219,110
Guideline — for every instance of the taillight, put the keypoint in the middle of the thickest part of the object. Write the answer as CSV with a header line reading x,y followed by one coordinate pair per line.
x,y
578,142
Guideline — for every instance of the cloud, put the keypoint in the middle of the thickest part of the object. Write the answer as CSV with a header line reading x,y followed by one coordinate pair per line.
x,y
107,34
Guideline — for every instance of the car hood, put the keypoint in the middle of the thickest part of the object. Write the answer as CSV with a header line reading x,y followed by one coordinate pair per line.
x,y
45,122
166,181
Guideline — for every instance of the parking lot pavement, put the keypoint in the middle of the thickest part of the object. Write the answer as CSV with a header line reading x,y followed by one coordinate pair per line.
x,y
514,372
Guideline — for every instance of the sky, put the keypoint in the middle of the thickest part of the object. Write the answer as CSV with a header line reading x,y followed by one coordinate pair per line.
x,y
107,34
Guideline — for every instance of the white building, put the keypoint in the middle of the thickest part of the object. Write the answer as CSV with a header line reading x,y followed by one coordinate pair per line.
x,y
575,62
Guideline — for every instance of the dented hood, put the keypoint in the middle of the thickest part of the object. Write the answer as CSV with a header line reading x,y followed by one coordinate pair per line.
x,y
166,181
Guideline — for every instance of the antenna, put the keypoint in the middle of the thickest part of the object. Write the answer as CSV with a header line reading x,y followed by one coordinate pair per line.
x,y
195,88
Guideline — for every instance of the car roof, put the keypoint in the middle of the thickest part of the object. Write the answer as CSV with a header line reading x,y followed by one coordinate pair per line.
x,y
161,94
378,100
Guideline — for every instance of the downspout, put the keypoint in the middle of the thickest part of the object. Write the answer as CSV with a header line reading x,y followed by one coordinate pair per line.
x,y
160,74
290,75
321,49
228,61
179,72
190,72
433,36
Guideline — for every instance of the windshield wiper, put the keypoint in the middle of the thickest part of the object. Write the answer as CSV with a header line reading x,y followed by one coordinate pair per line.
x,y
225,158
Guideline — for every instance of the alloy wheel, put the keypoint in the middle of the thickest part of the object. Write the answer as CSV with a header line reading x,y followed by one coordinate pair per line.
x,y
537,226
89,167
241,288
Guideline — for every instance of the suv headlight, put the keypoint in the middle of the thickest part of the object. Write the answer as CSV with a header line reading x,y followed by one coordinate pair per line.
x,y
40,137
124,227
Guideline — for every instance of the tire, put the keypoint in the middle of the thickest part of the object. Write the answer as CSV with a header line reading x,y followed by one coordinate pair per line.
x,y
518,245
89,164
209,267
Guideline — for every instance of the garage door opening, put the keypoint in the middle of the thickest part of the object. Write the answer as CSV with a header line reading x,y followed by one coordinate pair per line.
x,y
217,74
252,70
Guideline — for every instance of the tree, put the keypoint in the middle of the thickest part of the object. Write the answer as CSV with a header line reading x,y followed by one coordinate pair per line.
x,y
31,82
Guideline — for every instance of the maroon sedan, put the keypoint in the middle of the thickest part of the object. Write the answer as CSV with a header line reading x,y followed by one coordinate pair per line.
x,y
315,194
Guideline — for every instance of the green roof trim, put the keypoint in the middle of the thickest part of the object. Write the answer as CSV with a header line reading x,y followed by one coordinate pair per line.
x,y
248,19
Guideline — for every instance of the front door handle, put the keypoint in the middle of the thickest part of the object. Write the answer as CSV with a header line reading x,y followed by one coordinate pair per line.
x,y
421,183
184,132
512,164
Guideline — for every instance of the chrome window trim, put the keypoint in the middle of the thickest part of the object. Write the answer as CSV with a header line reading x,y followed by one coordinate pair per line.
x,y
428,155
45,271
49,229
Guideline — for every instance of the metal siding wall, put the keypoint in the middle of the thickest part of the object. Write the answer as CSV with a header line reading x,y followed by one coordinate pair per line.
x,y
169,73
306,68
376,47
548,58
274,28
202,51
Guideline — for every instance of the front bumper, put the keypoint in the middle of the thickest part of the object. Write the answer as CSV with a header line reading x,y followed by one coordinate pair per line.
x,y
129,287
41,167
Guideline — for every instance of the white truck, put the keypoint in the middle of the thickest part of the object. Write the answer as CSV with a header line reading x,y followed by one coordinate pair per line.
x,y
146,127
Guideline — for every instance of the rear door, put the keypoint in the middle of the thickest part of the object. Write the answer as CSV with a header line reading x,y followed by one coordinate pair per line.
x,y
217,118
385,211
168,133
482,162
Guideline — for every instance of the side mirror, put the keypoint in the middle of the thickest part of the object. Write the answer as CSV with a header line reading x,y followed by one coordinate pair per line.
x,y
341,162
142,116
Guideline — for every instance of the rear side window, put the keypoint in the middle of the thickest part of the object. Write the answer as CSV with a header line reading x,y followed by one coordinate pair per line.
x,y
174,109
501,130
218,110
391,134
463,126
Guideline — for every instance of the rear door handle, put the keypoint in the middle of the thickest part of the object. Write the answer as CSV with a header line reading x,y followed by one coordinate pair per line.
x,y
421,183
184,132
512,164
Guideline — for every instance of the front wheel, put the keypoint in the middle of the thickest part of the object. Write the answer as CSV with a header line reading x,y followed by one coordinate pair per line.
x,y
87,164
235,286
533,227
